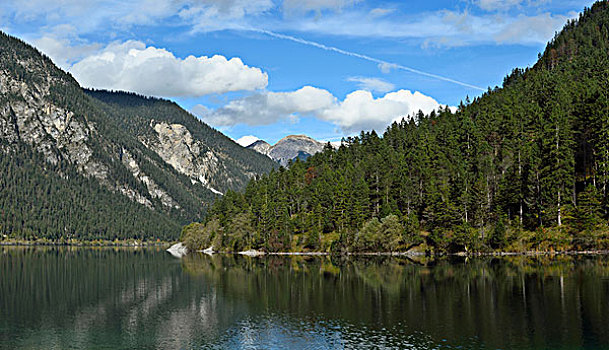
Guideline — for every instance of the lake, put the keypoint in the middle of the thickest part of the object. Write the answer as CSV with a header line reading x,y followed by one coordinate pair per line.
x,y
106,298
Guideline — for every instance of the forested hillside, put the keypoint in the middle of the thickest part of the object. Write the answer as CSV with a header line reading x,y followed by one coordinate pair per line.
x,y
524,166
53,202
111,166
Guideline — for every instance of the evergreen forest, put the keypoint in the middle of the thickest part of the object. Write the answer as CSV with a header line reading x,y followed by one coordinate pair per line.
x,y
525,166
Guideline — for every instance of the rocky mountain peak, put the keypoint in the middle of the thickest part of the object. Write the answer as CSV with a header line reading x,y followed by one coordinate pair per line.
x,y
289,148
260,146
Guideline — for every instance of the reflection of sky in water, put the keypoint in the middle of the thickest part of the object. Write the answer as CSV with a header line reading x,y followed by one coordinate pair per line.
x,y
281,332
57,299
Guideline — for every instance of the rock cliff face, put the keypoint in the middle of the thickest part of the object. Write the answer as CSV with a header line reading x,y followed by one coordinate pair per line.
x,y
32,117
289,148
176,146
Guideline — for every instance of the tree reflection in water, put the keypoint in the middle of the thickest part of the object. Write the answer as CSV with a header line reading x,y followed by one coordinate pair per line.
x,y
125,298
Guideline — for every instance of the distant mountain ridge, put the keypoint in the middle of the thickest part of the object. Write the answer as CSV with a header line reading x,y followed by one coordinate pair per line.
x,y
289,148
103,165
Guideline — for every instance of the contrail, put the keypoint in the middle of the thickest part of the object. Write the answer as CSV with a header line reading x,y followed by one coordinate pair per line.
x,y
364,57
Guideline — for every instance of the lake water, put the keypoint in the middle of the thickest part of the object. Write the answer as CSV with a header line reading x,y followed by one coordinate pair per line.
x,y
58,298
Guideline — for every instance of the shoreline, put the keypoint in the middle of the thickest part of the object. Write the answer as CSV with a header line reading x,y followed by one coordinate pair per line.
x,y
88,244
140,244
419,254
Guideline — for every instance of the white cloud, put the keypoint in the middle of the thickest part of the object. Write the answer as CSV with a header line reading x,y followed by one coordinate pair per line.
x,y
372,84
317,5
62,52
358,111
361,111
213,15
494,5
247,140
90,15
269,107
200,110
341,18
441,28
387,67
148,70
503,5
535,29
380,12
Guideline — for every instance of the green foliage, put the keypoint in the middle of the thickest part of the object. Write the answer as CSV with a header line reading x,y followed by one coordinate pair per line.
x,y
367,239
588,214
499,237
241,232
198,236
412,232
391,233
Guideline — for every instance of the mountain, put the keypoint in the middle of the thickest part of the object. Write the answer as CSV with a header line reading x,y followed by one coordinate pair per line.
x,y
522,167
260,146
289,148
103,165
190,146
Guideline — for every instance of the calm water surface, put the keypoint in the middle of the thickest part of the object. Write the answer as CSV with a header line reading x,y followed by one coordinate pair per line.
x,y
62,298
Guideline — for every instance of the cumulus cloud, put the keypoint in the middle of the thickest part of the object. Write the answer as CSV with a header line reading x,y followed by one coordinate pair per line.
x,y
269,107
247,140
61,50
372,84
148,70
360,110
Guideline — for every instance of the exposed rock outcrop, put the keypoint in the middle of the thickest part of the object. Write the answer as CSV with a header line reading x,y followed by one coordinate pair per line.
x,y
176,146
155,190
31,117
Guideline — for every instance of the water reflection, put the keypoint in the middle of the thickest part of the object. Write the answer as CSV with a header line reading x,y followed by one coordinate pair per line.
x,y
124,298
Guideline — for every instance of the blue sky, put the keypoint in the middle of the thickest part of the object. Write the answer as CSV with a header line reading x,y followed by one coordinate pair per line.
x,y
270,68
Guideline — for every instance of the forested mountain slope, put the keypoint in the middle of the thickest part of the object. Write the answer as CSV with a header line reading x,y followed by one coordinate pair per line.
x,y
524,166
207,155
111,166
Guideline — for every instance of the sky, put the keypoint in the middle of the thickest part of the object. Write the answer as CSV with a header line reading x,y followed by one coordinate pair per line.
x,y
270,68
